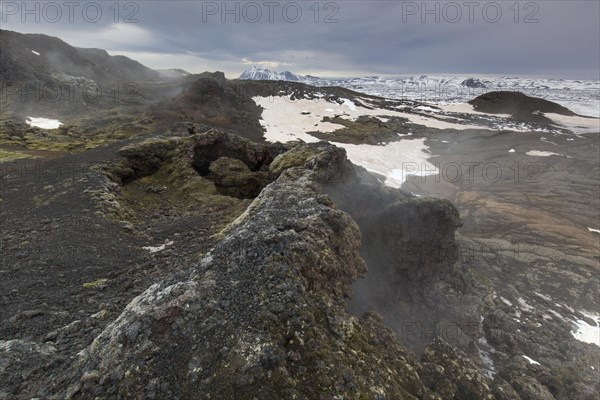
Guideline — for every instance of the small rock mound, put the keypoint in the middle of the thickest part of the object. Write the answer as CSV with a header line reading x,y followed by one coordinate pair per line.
x,y
237,167
519,105
476,83
232,177
214,101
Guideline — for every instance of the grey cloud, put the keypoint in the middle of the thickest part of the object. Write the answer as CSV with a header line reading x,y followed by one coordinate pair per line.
x,y
370,36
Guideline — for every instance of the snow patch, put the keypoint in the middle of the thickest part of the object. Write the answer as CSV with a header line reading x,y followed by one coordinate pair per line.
x,y
593,230
575,124
506,301
349,103
511,151
524,305
156,249
282,111
396,160
428,109
537,153
556,314
35,52
543,139
44,123
530,360
284,122
585,332
565,306
466,108
543,296
485,352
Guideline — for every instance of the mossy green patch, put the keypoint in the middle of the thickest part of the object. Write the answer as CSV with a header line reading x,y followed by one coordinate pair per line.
x,y
157,175
296,157
366,130
6,155
78,133
94,284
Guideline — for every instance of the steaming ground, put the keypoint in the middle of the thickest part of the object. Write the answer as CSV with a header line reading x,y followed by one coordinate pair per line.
x,y
526,218
526,195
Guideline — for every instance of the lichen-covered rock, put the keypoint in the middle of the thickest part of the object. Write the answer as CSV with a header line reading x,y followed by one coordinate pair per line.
x,y
280,307
452,374
504,391
263,314
145,158
529,388
212,145
233,178
198,151
296,157
24,356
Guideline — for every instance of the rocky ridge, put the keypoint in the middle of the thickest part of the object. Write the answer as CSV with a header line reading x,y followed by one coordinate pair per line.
x,y
263,313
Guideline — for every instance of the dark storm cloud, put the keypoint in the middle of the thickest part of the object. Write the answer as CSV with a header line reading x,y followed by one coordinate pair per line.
x,y
555,38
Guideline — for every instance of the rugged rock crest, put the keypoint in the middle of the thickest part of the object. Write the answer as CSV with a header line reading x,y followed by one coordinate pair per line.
x,y
262,315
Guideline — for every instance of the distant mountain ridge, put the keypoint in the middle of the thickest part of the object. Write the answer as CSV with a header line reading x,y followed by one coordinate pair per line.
x,y
40,58
573,94
430,82
262,74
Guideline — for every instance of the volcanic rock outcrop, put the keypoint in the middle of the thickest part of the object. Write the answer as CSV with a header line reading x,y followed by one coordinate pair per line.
x,y
263,314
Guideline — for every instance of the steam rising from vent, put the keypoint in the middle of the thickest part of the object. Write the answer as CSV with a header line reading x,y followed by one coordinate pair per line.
x,y
415,279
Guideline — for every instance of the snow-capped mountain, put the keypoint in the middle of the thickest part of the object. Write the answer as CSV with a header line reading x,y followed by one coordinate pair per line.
x,y
262,74
581,96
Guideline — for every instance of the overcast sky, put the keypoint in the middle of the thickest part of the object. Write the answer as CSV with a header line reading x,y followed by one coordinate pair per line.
x,y
343,38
